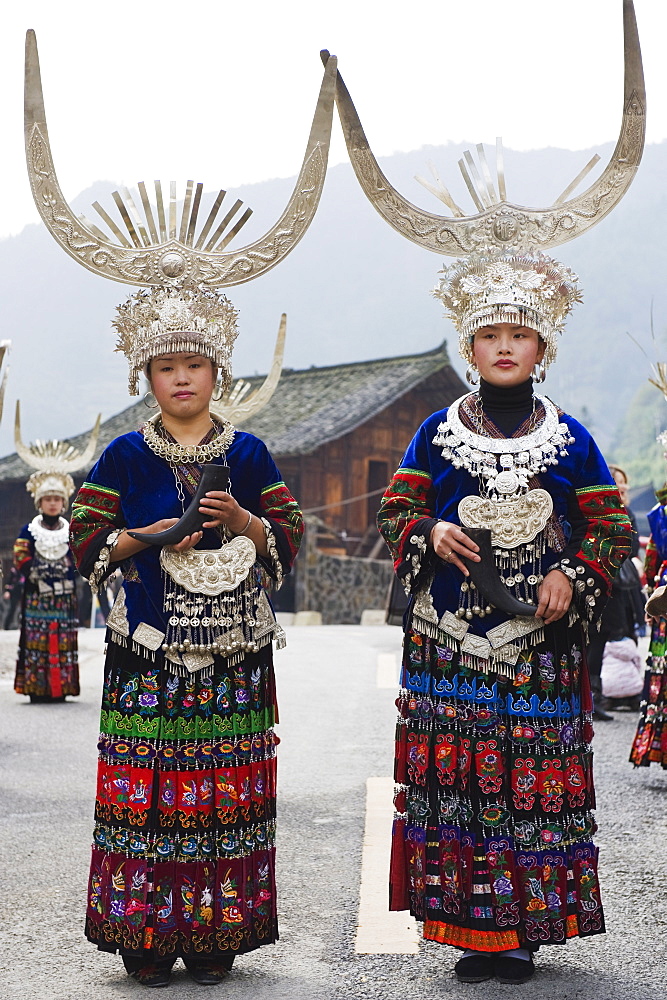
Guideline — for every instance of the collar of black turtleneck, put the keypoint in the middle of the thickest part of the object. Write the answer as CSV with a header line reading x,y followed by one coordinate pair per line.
x,y
507,406
51,520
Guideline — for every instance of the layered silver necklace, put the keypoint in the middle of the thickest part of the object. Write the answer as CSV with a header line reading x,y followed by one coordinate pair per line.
x,y
503,465
181,454
516,514
50,544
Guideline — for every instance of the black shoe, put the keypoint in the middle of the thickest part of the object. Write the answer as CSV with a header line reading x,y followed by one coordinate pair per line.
x,y
599,715
474,969
513,970
148,973
209,972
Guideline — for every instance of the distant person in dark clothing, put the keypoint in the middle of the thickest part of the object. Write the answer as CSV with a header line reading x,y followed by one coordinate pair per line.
x,y
12,596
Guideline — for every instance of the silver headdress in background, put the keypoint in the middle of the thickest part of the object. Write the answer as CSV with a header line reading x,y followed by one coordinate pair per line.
x,y
4,352
502,235
659,380
54,462
158,250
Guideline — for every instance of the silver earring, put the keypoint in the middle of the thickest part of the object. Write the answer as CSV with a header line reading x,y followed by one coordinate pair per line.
x,y
151,406
471,371
218,392
539,372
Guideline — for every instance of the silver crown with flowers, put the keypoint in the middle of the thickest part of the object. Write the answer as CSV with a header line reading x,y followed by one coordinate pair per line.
x,y
159,321
492,286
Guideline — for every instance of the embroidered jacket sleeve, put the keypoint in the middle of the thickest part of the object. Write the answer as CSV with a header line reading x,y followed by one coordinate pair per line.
x,y
656,550
281,516
651,564
406,515
594,556
24,550
96,521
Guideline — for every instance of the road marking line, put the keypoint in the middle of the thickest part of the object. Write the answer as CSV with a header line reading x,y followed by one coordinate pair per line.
x,y
379,930
387,671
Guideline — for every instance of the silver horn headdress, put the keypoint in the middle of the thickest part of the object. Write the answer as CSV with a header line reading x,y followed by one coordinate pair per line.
x,y
499,223
183,264
169,253
54,462
502,236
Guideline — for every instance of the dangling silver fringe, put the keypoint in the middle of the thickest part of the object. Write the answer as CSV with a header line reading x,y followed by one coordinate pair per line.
x,y
181,670
116,638
501,660
202,626
144,651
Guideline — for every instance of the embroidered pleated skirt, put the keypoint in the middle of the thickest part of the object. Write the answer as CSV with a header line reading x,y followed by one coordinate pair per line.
x,y
47,665
650,743
183,854
492,842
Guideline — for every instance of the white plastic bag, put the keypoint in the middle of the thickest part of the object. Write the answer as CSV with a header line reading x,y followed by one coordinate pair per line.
x,y
622,672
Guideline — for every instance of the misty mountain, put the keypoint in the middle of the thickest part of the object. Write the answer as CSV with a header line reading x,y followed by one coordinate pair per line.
x,y
353,290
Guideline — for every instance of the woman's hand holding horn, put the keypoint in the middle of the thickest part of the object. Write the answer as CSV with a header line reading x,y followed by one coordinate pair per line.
x,y
450,544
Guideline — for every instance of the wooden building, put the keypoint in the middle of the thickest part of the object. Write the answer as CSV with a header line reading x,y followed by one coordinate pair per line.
x,y
336,433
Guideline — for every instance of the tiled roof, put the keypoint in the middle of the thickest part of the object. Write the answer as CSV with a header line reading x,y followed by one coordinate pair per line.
x,y
310,406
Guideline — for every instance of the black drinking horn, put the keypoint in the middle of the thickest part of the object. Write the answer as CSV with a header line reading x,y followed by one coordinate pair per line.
x,y
213,477
486,577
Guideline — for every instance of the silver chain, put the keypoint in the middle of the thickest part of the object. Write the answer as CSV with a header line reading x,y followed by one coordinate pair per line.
x,y
179,486
479,415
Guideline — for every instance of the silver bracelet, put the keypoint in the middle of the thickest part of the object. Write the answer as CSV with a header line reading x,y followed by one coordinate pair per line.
x,y
248,523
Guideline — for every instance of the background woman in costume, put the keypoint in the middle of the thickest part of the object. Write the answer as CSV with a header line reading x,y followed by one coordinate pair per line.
x,y
650,742
492,841
620,623
183,860
614,661
47,666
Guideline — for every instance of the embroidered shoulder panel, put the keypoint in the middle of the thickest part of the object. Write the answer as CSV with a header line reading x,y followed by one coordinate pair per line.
x,y
608,539
604,547
95,509
407,499
652,562
22,552
279,505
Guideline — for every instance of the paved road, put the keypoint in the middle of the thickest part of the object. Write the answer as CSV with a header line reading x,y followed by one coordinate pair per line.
x,y
336,730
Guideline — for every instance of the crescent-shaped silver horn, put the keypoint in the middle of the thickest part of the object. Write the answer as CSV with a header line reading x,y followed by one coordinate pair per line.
x,y
174,260
236,405
4,350
502,223
54,456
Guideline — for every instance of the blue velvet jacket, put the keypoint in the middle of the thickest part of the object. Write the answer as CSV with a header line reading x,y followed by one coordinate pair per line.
x,y
588,532
132,487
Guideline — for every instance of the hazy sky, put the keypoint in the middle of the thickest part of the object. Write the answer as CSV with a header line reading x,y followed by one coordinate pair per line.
x,y
223,92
